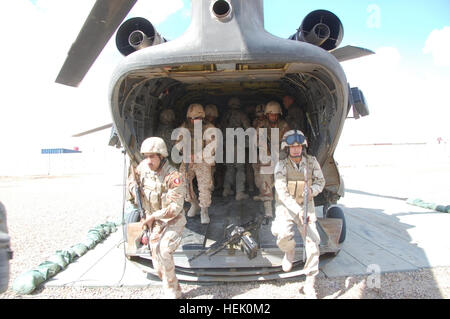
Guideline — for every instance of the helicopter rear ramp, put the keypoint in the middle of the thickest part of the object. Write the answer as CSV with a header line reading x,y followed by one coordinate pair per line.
x,y
231,263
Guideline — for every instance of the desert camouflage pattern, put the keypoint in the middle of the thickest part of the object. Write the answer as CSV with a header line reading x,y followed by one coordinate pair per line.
x,y
288,208
165,127
202,171
164,193
295,117
265,182
235,174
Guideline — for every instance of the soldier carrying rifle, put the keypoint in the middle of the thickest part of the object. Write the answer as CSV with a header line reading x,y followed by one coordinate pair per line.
x,y
291,186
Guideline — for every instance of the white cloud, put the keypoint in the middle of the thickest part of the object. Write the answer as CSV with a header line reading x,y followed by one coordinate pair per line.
x,y
406,104
35,111
438,45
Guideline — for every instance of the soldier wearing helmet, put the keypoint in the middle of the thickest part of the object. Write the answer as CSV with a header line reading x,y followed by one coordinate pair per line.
x,y
289,190
163,191
264,182
295,116
235,172
200,169
165,127
211,113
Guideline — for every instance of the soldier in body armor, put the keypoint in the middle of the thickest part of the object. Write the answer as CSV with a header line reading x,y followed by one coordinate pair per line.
x,y
289,189
198,169
235,172
163,192
165,127
295,116
263,180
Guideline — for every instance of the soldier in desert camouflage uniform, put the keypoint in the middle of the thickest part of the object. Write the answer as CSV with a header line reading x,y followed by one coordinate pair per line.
x,y
264,182
201,170
289,189
235,172
163,192
211,115
165,127
295,116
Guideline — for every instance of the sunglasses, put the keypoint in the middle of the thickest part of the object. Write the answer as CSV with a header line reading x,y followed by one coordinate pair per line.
x,y
295,138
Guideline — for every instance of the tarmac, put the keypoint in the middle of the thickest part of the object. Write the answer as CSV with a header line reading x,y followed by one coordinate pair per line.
x,y
384,233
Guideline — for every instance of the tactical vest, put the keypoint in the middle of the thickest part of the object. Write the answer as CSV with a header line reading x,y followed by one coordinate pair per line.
x,y
296,179
205,126
155,188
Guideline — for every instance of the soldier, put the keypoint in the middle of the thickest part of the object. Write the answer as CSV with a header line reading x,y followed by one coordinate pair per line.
x,y
163,192
264,182
235,172
295,116
211,115
260,116
165,127
201,170
289,188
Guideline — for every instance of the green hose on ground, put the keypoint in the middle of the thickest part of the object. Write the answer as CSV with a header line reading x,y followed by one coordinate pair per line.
x,y
27,282
433,206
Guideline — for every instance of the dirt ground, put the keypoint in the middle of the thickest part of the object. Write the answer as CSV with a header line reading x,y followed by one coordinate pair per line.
x,y
50,213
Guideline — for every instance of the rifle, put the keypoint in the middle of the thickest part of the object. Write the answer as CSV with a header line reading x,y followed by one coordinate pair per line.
x,y
305,207
236,235
141,210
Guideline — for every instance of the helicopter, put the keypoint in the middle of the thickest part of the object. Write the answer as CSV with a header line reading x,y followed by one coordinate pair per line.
x,y
225,52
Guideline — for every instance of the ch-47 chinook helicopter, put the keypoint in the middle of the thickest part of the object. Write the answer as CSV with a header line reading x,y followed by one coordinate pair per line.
x,y
226,52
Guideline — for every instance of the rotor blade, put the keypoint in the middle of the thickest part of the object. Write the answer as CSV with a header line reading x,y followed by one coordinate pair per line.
x,y
104,127
350,52
100,25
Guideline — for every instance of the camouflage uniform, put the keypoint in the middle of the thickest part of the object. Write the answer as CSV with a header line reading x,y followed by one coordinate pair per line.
x,y
212,113
200,170
264,182
289,186
235,172
165,128
163,198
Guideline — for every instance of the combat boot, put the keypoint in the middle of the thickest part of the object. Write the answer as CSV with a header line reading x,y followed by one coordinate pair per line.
x,y
288,259
241,196
204,215
268,209
308,289
227,192
193,210
258,197
170,293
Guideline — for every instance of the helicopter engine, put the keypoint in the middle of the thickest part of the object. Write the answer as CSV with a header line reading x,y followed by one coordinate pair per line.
x,y
135,34
321,28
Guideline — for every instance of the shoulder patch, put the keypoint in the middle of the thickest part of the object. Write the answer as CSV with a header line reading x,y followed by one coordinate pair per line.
x,y
174,179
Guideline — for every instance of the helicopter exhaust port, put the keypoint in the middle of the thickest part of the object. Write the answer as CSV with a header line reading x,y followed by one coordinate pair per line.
x,y
222,10
136,34
321,28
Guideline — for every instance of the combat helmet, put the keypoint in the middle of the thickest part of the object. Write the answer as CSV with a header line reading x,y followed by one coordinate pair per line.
x,y
195,110
211,110
234,103
272,107
154,145
292,138
167,116
260,109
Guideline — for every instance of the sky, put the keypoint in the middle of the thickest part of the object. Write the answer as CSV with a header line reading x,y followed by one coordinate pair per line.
x,y
406,83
